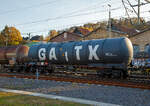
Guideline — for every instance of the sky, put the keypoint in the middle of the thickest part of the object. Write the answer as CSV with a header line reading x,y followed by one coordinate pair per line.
x,y
39,16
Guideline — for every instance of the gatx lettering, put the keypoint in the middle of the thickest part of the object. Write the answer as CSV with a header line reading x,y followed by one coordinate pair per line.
x,y
78,48
93,53
42,54
52,53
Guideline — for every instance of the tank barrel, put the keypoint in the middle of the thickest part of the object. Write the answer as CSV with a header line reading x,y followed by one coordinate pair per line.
x,y
112,50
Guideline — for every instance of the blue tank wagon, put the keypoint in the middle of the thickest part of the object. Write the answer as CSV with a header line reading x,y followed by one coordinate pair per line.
x,y
113,55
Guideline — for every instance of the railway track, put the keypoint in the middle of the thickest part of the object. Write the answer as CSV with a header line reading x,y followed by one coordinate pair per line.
x,y
130,82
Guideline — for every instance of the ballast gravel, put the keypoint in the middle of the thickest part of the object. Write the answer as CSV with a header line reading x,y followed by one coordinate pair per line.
x,y
100,93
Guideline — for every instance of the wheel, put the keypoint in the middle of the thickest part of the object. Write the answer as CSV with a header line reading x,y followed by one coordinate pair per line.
x,y
116,74
125,75
100,73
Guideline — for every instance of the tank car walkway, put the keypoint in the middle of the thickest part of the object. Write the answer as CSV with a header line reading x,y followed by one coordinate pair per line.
x,y
82,101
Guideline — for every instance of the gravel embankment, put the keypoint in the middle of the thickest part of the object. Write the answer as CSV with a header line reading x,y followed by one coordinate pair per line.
x,y
107,94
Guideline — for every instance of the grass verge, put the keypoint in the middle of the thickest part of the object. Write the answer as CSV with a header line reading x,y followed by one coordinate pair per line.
x,y
12,99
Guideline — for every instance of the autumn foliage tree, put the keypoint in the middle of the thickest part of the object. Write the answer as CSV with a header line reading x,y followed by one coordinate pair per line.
x,y
2,39
51,34
88,28
10,36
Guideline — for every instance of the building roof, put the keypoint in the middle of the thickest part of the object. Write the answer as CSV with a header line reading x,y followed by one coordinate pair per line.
x,y
93,31
81,31
147,29
117,29
25,38
102,28
122,29
37,37
68,33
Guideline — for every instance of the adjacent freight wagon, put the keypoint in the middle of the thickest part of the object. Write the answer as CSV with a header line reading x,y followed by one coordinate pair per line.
x,y
13,57
13,54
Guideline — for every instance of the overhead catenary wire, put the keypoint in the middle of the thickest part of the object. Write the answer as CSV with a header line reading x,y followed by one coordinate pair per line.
x,y
76,13
58,17
133,9
126,10
64,17
63,26
32,6
71,25
28,7
67,14
61,16
37,6
85,14
45,20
